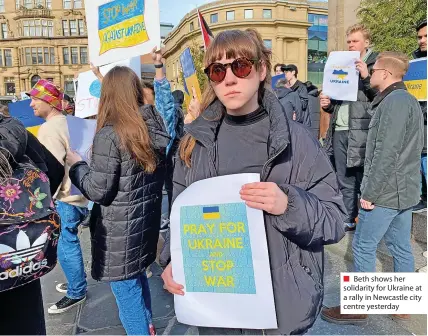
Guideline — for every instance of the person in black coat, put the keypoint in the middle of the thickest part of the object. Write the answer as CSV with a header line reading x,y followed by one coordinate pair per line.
x,y
314,108
125,180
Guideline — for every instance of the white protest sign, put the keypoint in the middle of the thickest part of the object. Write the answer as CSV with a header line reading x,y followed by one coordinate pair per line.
x,y
121,29
89,87
82,132
341,76
219,254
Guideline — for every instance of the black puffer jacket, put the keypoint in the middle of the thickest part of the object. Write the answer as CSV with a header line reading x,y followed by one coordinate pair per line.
x,y
125,233
314,216
18,142
359,120
314,111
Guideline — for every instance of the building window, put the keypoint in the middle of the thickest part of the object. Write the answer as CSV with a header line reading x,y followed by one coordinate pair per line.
x,y
230,15
69,85
52,54
83,55
33,55
18,4
65,30
39,55
78,4
2,6
67,4
39,3
4,31
9,86
82,30
317,47
8,57
66,55
248,13
268,44
73,28
37,27
49,4
214,18
34,80
267,13
74,55
191,26
28,56
28,4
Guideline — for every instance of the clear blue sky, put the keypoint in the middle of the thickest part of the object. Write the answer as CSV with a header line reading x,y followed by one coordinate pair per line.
x,y
172,11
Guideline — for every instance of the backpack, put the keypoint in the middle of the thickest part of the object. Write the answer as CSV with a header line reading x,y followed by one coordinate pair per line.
x,y
29,227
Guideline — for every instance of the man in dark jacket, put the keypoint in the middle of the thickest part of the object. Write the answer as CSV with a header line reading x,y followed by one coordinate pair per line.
x,y
291,103
421,30
391,175
349,125
294,84
314,108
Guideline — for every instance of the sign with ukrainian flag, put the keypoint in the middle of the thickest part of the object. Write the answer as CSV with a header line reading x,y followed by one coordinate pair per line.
x,y
121,29
190,82
416,78
22,111
219,254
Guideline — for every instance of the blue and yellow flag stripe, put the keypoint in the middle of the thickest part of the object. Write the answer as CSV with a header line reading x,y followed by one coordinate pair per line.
x,y
211,212
416,79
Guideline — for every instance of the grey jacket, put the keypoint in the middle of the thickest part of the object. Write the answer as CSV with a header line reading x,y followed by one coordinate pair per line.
x,y
291,103
395,140
359,119
313,219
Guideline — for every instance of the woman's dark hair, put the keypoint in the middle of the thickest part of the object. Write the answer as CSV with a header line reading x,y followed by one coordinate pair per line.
x,y
149,85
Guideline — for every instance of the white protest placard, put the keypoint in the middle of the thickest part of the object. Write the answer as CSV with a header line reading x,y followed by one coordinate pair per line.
x,y
89,87
121,29
82,132
341,76
219,254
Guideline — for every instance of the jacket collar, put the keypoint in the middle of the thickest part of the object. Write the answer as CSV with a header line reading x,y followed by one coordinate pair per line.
x,y
205,128
418,53
381,96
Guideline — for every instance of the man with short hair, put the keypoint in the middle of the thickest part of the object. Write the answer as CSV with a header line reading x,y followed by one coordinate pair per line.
x,y
46,101
349,125
421,30
291,71
391,180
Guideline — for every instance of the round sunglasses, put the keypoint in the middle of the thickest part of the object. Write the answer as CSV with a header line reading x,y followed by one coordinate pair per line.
x,y
241,68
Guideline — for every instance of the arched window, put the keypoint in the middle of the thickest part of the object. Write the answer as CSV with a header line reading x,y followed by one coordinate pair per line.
x,y
34,80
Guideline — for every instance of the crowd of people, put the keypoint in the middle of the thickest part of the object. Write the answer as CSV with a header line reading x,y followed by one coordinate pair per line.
x,y
364,175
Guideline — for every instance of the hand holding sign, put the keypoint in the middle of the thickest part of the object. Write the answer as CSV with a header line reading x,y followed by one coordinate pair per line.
x,y
266,196
169,283
324,101
194,106
362,68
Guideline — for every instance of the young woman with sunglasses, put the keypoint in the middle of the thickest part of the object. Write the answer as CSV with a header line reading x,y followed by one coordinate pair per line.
x,y
243,129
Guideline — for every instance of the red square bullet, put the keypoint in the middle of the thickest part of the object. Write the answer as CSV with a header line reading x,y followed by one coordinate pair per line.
x,y
346,278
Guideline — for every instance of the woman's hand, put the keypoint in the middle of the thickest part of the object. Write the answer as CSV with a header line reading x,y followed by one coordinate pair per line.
x,y
194,106
362,68
265,196
156,56
324,101
97,73
170,285
72,157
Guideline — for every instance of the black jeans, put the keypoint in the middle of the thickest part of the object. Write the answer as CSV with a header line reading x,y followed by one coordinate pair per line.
x,y
349,178
21,310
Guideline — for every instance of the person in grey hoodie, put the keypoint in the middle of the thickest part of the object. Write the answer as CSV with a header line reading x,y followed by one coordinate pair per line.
x,y
291,103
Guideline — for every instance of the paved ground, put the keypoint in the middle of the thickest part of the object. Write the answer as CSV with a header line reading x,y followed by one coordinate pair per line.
x,y
99,316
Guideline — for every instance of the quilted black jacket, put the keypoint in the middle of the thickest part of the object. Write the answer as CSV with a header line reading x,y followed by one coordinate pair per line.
x,y
125,233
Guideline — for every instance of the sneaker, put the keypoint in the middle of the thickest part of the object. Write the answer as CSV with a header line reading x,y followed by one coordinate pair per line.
x,y
65,304
333,315
350,227
164,225
62,288
420,207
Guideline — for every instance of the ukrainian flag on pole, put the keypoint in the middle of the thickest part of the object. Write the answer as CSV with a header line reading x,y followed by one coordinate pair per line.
x,y
189,74
416,78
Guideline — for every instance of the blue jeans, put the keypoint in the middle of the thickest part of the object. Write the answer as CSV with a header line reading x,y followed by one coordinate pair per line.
x,y
69,252
424,169
134,303
392,225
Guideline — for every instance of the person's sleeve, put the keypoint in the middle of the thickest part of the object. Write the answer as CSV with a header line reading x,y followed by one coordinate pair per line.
x,y
99,182
13,138
389,142
314,215
297,107
53,144
164,103
304,98
179,180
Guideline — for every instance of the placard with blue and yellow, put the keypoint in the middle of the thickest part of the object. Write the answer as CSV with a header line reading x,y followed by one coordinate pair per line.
x,y
121,24
416,78
190,77
22,111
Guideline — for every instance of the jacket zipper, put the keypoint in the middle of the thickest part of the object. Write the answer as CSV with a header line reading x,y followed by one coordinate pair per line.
x,y
262,176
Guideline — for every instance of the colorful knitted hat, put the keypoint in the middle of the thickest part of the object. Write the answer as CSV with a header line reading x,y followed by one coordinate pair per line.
x,y
48,92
